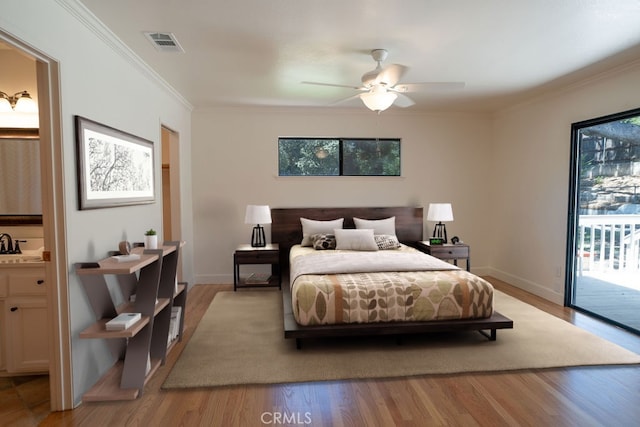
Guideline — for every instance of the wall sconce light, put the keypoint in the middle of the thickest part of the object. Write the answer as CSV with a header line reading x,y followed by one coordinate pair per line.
x,y
18,111
21,102
258,214
440,212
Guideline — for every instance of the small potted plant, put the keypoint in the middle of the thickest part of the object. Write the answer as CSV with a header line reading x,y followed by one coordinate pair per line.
x,y
150,239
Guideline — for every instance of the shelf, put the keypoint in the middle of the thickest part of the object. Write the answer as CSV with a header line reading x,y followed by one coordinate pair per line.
x,y
181,288
99,330
274,282
108,387
112,266
152,278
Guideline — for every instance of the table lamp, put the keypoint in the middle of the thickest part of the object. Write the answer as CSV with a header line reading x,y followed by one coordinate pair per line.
x,y
440,212
257,214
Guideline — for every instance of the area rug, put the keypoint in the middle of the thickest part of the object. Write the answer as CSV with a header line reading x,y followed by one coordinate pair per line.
x,y
240,341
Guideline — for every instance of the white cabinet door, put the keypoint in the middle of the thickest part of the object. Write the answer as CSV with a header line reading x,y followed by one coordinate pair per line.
x,y
27,341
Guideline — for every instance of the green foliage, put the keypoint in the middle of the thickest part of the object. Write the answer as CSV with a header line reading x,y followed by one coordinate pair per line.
x,y
371,157
360,157
150,232
308,157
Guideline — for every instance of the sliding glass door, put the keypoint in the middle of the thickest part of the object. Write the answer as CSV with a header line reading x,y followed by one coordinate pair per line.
x,y
603,251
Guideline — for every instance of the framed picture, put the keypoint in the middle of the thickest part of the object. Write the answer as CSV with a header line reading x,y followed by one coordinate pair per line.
x,y
115,168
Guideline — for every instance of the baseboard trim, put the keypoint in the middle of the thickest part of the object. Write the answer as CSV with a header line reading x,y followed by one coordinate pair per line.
x,y
527,285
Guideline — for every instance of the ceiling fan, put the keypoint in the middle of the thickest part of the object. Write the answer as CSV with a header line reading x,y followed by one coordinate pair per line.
x,y
381,88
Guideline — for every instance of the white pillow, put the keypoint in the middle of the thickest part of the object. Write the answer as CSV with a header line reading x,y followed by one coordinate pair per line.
x,y
380,226
312,226
355,240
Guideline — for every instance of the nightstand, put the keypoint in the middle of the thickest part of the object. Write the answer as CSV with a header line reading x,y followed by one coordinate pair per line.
x,y
447,252
247,254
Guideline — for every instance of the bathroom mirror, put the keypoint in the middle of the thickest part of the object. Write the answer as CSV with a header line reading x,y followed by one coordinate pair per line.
x,y
20,186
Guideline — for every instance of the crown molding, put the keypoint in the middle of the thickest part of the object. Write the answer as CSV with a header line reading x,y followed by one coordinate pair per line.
x,y
89,20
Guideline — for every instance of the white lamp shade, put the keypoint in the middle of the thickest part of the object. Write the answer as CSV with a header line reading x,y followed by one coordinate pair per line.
x,y
25,104
257,214
378,100
440,212
5,105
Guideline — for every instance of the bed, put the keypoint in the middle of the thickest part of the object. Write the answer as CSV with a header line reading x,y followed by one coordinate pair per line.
x,y
347,291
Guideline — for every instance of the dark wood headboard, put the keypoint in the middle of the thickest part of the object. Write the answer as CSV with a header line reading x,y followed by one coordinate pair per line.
x,y
286,229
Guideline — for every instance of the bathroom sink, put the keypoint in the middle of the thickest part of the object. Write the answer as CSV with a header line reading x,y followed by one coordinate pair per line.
x,y
18,258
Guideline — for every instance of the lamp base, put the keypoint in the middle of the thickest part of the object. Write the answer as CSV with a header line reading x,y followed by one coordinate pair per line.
x,y
440,231
257,237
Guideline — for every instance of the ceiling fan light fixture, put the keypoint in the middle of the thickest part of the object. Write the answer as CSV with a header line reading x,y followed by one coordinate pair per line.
x,y
378,100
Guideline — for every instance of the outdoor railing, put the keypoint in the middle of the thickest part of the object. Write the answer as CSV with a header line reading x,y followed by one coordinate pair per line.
x,y
609,242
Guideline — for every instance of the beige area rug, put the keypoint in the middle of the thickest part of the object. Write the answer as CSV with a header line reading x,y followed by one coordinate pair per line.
x,y
240,341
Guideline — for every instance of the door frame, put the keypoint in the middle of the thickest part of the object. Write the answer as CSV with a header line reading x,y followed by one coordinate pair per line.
x,y
574,207
53,223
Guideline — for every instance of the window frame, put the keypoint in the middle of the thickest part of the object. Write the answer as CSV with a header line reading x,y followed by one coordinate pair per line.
x,y
340,160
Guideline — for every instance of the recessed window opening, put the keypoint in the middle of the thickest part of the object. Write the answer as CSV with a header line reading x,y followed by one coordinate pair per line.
x,y
338,156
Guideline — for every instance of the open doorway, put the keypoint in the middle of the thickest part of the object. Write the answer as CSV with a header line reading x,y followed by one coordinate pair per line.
x,y
52,222
170,141
604,219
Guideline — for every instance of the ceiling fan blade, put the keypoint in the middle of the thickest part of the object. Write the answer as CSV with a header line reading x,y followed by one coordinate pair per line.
x,y
403,101
334,85
391,75
427,86
340,101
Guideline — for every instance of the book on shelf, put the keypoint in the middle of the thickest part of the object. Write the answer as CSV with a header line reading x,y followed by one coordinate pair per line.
x,y
174,324
126,258
258,279
122,321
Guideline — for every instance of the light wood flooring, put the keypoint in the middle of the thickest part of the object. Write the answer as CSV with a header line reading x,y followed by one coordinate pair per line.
x,y
592,396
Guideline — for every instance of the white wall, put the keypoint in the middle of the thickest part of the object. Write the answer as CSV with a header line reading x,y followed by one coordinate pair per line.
x,y
235,161
99,82
530,180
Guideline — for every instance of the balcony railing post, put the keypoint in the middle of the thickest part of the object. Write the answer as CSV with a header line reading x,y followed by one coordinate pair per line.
x,y
609,242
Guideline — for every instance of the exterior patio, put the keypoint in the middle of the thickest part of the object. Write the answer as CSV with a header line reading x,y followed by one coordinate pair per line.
x,y
607,280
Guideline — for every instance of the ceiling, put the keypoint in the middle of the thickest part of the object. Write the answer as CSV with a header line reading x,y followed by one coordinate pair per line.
x,y
257,52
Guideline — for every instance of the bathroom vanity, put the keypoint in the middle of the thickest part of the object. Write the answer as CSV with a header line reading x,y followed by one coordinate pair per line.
x,y
24,344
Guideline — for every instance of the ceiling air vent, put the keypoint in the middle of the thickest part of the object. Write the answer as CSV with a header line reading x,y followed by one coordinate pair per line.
x,y
164,42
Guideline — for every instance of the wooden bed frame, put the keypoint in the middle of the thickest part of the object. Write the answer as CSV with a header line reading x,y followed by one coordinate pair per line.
x,y
286,230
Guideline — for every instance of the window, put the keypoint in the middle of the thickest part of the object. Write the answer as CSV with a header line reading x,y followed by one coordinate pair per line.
x,y
338,156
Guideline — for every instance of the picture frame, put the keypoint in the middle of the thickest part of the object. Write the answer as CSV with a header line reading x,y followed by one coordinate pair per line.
x,y
115,168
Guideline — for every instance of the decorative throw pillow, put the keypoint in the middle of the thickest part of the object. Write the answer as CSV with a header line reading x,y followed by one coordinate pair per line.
x,y
379,226
386,241
355,240
311,226
323,241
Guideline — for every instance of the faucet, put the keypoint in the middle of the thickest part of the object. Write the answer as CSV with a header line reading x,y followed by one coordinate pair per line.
x,y
6,249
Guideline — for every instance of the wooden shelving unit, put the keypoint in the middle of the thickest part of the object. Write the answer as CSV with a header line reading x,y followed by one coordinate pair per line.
x,y
139,350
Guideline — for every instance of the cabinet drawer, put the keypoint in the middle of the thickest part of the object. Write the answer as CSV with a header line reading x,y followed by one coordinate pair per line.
x,y
450,252
27,284
256,257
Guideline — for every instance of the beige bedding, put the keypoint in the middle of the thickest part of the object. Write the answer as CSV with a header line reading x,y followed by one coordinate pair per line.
x,y
403,285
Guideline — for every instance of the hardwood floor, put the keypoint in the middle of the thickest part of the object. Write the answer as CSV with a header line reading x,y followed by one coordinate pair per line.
x,y
560,397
